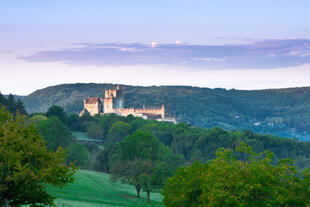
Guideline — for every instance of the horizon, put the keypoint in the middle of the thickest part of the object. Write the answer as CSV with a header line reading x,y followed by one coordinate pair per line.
x,y
242,45
6,94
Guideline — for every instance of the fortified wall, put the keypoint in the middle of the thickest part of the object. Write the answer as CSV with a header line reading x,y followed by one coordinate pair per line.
x,y
112,104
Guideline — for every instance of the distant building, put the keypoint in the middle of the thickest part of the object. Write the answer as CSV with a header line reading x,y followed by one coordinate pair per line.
x,y
113,103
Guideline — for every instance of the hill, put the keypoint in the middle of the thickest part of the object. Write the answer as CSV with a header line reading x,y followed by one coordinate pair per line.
x,y
94,189
285,112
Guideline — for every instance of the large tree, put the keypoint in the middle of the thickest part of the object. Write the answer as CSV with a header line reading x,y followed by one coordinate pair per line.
x,y
57,111
118,131
26,166
55,133
78,154
252,180
144,162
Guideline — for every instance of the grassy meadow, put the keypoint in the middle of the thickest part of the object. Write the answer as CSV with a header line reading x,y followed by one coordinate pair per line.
x,y
94,189
82,136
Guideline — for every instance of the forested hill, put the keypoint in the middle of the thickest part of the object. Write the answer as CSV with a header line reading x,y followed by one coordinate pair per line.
x,y
285,112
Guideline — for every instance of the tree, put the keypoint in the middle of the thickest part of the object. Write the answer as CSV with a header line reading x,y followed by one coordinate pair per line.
x,y
118,131
26,166
226,181
78,153
20,107
3,100
58,112
55,133
95,131
143,162
145,175
73,122
11,104
37,118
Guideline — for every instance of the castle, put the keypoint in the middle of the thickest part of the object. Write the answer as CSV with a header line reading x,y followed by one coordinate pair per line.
x,y
113,103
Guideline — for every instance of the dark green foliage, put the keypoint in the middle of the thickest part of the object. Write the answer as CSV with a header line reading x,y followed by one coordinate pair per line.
x,y
140,146
95,131
195,144
118,131
284,112
58,112
12,105
55,133
144,162
73,122
107,157
226,181
78,154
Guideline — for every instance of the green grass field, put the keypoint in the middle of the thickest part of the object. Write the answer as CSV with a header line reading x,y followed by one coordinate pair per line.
x,y
95,189
82,136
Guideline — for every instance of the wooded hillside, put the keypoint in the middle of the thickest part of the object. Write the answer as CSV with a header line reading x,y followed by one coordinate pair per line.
x,y
285,112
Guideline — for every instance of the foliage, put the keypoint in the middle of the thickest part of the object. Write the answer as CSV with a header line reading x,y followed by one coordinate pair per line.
x,y
73,122
37,118
55,133
26,166
284,112
140,162
118,131
140,145
78,154
12,105
95,131
194,143
255,180
58,112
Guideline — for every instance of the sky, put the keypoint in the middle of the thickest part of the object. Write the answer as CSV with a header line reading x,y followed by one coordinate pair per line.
x,y
218,44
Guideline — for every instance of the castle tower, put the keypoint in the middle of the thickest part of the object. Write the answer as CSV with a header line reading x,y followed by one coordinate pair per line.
x,y
108,105
162,111
110,101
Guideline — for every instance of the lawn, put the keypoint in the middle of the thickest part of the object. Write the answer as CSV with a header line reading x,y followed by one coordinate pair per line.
x,y
82,136
95,189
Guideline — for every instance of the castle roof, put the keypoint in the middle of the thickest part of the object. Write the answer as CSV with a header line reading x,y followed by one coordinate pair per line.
x,y
91,100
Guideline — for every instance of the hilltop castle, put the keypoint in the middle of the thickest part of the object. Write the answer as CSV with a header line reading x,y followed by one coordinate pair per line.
x,y
113,103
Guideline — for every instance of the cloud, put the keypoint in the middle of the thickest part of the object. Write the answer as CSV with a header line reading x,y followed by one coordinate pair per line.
x,y
211,59
179,42
266,54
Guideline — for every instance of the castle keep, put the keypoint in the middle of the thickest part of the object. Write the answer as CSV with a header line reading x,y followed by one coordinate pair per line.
x,y
113,103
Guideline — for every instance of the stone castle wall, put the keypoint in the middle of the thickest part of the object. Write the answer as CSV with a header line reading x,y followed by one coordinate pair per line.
x,y
105,106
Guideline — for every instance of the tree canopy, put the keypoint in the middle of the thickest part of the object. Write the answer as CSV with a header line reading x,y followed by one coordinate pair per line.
x,y
252,180
55,133
143,162
58,112
26,166
11,105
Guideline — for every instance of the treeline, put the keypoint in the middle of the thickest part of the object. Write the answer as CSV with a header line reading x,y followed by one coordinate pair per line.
x,y
12,105
145,153
193,143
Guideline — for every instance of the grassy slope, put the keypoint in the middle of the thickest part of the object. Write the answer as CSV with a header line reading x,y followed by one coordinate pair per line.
x,y
95,189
